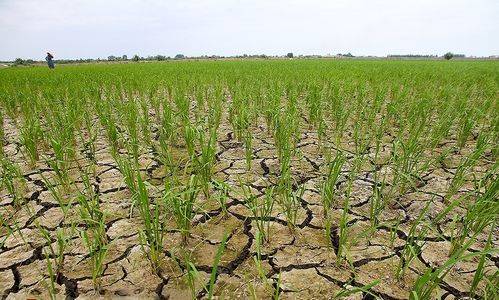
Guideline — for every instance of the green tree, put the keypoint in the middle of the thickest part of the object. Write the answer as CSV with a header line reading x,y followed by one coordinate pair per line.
x,y
18,61
448,55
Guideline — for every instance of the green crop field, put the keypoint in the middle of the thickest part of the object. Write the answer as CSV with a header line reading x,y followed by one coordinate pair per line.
x,y
257,179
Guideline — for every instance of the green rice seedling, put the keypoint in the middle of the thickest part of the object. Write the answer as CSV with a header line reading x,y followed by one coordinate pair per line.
x,y
328,191
191,273
257,258
239,115
167,131
2,135
12,180
286,133
131,118
222,195
343,244
154,96
7,228
487,179
94,235
207,158
182,103
415,237
96,243
313,102
52,277
294,118
107,120
182,205
393,231
57,194
88,136
328,226
426,284
271,111
59,163
266,211
412,248
480,269
466,124
30,135
57,253
378,143
145,121
407,158
343,234
346,292
277,293
62,119
261,209
441,128
480,214
290,203
466,164
409,146
363,123
164,152
321,133
329,184
129,169
376,203
199,95
248,150
251,289
491,290
190,135
341,112
214,269
152,233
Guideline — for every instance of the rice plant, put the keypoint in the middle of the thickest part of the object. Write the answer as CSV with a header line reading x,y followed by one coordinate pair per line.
x,y
261,210
94,235
12,180
182,203
152,233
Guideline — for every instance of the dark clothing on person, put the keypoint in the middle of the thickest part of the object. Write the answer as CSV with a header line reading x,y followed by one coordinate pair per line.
x,y
49,60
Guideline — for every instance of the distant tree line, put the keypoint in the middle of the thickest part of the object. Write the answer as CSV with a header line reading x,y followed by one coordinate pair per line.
x,y
412,55
447,56
23,62
137,58
345,55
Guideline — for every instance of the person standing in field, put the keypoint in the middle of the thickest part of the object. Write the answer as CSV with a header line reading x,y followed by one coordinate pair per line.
x,y
49,60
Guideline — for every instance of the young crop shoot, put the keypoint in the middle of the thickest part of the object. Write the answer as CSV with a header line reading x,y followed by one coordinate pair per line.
x,y
152,217
182,204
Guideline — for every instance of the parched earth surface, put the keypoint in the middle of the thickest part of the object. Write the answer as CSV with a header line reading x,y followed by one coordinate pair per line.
x,y
301,262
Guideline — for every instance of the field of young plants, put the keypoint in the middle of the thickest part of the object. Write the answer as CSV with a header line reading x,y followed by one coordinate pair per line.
x,y
254,179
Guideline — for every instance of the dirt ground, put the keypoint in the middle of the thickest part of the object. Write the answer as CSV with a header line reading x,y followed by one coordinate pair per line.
x,y
302,260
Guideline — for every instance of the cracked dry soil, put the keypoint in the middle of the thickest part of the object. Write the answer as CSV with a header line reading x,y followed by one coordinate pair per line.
x,y
302,259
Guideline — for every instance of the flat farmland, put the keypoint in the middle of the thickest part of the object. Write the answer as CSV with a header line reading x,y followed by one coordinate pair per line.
x,y
250,179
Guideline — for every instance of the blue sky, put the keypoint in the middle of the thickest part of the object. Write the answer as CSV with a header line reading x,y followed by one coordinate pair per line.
x,y
92,28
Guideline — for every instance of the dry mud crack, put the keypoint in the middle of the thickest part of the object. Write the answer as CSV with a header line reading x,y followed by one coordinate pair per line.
x,y
300,263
